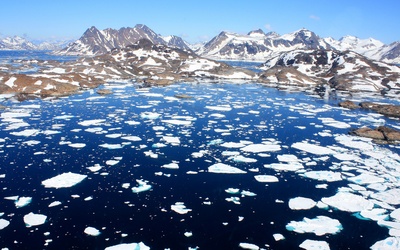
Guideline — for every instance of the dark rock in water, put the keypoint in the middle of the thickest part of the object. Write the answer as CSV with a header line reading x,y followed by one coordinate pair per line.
x,y
2,107
384,109
380,135
349,105
183,96
104,92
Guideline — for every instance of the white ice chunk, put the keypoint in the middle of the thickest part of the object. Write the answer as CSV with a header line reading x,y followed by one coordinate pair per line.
x,y
131,138
172,165
232,145
129,246
23,201
95,168
150,115
266,178
241,158
232,190
32,219
301,203
293,166
111,146
320,225
180,208
259,148
91,231
4,223
313,149
219,108
64,180
323,175
391,196
287,158
177,122
390,243
278,237
55,203
26,132
314,245
249,246
142,187
222,168
366,178
77,145
349,202
395,214
172,140
95,122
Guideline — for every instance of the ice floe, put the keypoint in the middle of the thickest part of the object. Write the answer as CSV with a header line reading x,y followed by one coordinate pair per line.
x,y
259,148
390,243
293,166
142,186
172,165
249,246
23,201
391,196
180,208
221,168
33,219
314,245
301,203
4,223
129,246
64,180
349,202
266,178
320,225
312,148
95,122
323,175
91,231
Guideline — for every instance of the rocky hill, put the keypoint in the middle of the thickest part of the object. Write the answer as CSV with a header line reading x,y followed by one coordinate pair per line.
x,y
347,71
16,43
97,42
143,61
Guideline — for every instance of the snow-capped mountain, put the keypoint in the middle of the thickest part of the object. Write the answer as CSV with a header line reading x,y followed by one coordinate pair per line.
x,y
176,42
96,42
16,43
257,45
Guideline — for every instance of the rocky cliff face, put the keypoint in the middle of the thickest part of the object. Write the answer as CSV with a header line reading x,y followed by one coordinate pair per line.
x,y
96,42
346,71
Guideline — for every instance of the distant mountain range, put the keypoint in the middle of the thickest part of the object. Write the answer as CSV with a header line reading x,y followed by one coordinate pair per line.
x,y
254,46
19,43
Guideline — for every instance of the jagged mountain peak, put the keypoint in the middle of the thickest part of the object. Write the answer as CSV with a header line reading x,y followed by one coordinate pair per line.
x,y
258,32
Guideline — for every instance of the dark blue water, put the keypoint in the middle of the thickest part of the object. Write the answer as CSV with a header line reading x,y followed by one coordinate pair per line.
x,y
258,114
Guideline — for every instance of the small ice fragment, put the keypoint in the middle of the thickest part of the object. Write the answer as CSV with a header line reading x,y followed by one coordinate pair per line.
x,y
95,168
292,166
278,237
4,223
112,162
172,165
247,193
266,178
320,225
219,108
235,200
150,115
55,203
32,219
128,246
91,231
131,138
95,122
143,186
241,158
180,208
172,140
64,180
111,146
222,168
314,245
77,145
301,203
23,201
188,234
232,190
249,246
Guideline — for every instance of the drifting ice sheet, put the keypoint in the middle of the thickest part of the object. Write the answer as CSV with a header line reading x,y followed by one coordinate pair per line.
x,y
314,245
180,208
129,246
4,223
64,180
259,148
300,203
221,168
320,225
92,231
348,202
313,149
32,219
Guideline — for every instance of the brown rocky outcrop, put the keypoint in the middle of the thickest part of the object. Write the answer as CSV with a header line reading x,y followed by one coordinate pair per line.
x,y
380,134
384,109
349,104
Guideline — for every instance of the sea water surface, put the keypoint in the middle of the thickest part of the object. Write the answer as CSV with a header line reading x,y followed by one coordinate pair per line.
x,y
227,168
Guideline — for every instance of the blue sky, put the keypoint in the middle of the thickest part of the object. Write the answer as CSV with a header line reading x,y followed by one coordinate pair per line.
x,y
201,20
